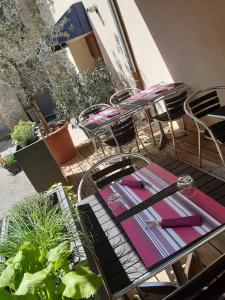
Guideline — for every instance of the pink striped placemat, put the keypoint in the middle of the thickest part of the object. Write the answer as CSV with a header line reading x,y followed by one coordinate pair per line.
x,y
154,244
104,115
149,93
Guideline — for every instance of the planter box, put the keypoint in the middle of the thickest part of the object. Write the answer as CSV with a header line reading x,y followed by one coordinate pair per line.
x,y
40,166
14,169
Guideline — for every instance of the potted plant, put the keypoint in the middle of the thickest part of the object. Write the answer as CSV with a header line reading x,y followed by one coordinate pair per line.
x,y
42,263
77,91
9,163
28,66
35,158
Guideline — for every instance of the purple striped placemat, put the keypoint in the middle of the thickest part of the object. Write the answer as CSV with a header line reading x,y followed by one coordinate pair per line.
x,y
154,244
149,93
104,115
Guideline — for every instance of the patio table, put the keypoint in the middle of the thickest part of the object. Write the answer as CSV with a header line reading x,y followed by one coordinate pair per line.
x,y
100,122
130,252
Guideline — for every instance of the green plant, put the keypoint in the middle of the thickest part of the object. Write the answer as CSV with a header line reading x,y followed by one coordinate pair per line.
x,y
24,133
35,220
75,92
7,161
98,83
29,275
68,189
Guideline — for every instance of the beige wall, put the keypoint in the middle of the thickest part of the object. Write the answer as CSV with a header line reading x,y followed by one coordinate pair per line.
x,y
180,40
151,64
190,37
106,34
81,54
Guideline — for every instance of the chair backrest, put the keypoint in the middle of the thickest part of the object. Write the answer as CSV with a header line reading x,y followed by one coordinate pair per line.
x,y
175,103
201,103
110,169
122,95
124,131
94,109
208,284
204,104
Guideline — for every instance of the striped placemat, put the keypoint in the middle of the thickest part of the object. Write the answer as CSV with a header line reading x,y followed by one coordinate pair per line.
x,y
154,244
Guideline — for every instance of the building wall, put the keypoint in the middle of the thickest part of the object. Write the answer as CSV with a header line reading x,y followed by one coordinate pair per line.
x,y
107,35
81,54
190,37
151,64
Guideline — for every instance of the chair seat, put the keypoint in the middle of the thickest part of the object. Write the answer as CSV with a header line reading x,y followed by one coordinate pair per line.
x,y
173,115
123,140
218,130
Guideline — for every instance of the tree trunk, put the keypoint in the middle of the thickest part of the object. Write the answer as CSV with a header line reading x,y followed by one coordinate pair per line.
x,y
39,113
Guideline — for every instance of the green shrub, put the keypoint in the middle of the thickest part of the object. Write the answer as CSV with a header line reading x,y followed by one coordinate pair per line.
x,y
7,160
37,221
74,92
24,133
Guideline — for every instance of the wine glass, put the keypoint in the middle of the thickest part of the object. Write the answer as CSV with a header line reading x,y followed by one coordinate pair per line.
x,y
186,185
114,201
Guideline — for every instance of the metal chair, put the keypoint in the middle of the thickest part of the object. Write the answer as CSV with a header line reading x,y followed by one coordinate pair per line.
x,y
105,171
208,284
197,106
85,114
123,133
174,103
122,95
94,109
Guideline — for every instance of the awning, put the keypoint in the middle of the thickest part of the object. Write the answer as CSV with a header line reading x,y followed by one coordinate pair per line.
x,y
74,23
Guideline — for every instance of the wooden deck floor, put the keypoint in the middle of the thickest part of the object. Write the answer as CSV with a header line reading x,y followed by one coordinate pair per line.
x,y
187,151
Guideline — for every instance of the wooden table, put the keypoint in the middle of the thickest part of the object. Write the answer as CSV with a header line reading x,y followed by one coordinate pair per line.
x,y
118,260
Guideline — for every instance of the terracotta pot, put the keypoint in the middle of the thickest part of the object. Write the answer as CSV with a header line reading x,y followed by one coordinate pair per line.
x,y
61,144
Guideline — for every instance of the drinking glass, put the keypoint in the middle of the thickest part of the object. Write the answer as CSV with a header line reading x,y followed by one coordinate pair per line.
x,y
186,185
114,201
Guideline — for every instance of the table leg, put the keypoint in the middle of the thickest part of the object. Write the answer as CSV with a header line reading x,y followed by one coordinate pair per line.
x,y
179,273
162,140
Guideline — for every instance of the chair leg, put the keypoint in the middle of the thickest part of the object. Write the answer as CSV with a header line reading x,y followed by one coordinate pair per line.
x,y
199,149
137,145
148,117
103,151
220,153
173,136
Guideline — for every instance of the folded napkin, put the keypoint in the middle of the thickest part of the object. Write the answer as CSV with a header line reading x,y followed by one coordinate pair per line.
x,y
133,183
195,220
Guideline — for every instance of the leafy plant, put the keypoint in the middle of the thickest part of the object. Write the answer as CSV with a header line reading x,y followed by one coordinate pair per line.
x,y
75,92
29,275
68,189
37,221
27,64
7,161
98,83
24,133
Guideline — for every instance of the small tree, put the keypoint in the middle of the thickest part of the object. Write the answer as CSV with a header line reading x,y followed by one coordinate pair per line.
x,y
75,92
24,65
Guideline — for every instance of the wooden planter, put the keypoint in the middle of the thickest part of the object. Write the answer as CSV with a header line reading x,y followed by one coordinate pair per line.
x,y
40,166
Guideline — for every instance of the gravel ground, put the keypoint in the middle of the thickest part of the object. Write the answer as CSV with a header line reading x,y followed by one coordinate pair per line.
x,y
12,188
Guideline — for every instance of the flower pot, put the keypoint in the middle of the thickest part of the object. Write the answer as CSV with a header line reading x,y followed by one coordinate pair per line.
x,y
61,145
13,169
39,165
